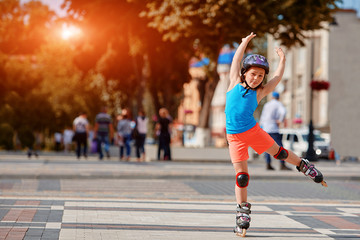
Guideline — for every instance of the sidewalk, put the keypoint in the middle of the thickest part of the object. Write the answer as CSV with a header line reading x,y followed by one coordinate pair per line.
x,y
59,197
125,219
53,165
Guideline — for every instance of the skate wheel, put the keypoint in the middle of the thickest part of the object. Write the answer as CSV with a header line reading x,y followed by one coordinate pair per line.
x,y
324,183
243,233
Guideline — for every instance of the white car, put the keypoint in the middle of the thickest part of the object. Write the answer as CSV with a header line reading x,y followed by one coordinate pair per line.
x,y
297,141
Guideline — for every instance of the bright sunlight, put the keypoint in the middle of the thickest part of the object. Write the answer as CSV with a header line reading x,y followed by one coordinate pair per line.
x,y
68,32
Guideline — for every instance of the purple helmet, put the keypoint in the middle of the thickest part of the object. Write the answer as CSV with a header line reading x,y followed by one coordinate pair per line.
x,y
255,60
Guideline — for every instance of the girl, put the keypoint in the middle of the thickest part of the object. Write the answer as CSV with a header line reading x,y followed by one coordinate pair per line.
x,y
245,91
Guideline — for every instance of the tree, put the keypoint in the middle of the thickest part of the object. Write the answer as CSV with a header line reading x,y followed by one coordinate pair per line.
x,y
63,85
23,28
212,24
129,55
40,88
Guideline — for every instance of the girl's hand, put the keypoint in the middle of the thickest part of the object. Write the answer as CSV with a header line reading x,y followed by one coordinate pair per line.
x,y
249,37
280,53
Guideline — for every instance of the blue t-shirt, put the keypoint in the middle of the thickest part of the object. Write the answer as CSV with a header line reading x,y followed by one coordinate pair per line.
x,y
239,109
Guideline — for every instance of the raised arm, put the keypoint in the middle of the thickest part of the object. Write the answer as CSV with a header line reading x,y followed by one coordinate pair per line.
x,y
273,82
235,65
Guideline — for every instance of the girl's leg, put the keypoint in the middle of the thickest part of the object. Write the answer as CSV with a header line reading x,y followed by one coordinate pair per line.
x,y
243,207
292,157
302,165
240,193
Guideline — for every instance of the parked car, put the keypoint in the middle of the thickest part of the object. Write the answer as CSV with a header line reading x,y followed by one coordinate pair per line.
x,y
297,141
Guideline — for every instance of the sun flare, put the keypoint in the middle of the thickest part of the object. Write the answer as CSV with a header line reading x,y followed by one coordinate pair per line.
x,y
68,32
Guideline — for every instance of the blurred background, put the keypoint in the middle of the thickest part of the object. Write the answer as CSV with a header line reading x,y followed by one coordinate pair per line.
x,y
62,57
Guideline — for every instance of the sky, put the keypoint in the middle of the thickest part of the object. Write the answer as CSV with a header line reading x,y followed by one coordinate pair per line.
x,y
55,5
351,4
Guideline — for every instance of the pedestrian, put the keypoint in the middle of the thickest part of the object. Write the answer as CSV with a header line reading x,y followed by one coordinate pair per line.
x,y
124,134
272,115
163,127
58,141
245,91
81,129
103,132
68,135
27,139
39,139
139,133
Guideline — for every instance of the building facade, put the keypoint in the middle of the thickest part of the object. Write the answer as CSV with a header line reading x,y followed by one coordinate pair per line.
x,y
344,76
303,64
330,55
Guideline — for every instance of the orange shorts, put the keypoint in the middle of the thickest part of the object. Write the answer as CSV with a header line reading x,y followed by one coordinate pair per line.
x,y
256,138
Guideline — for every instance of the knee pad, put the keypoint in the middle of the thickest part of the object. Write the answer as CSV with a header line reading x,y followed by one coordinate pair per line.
x,y
282,154
242,179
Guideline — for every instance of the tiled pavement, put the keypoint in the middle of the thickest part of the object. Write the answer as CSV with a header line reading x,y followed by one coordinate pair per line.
x,y
184,189
68,219
66,199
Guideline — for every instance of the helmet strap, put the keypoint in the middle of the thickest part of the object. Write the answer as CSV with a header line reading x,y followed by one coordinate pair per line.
x,y
248,87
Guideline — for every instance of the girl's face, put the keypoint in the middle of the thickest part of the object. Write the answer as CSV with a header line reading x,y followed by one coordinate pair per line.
x,y
254,76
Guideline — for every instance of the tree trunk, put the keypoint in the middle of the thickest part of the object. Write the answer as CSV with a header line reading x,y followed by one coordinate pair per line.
x,y
206,105
203,132
155,99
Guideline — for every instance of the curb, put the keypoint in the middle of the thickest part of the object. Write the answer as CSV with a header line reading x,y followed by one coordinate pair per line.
x,y
169,177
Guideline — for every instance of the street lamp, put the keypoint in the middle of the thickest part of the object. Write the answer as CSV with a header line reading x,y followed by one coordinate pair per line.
x,y
310,154
315,85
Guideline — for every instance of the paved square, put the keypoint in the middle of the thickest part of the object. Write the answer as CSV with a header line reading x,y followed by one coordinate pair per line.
x,y
88,218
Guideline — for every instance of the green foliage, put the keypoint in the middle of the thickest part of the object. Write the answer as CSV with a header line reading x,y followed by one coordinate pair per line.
x,y
26,137
21,104
211,24
6,136
41,90
23,28
125,51
227,21
130,55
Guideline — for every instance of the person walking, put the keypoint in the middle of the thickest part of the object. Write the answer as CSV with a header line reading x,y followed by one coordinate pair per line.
x,y
272,115
27,139
245,91
124,134
103,132
58,140
140,132
81,129
163,127
68,135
